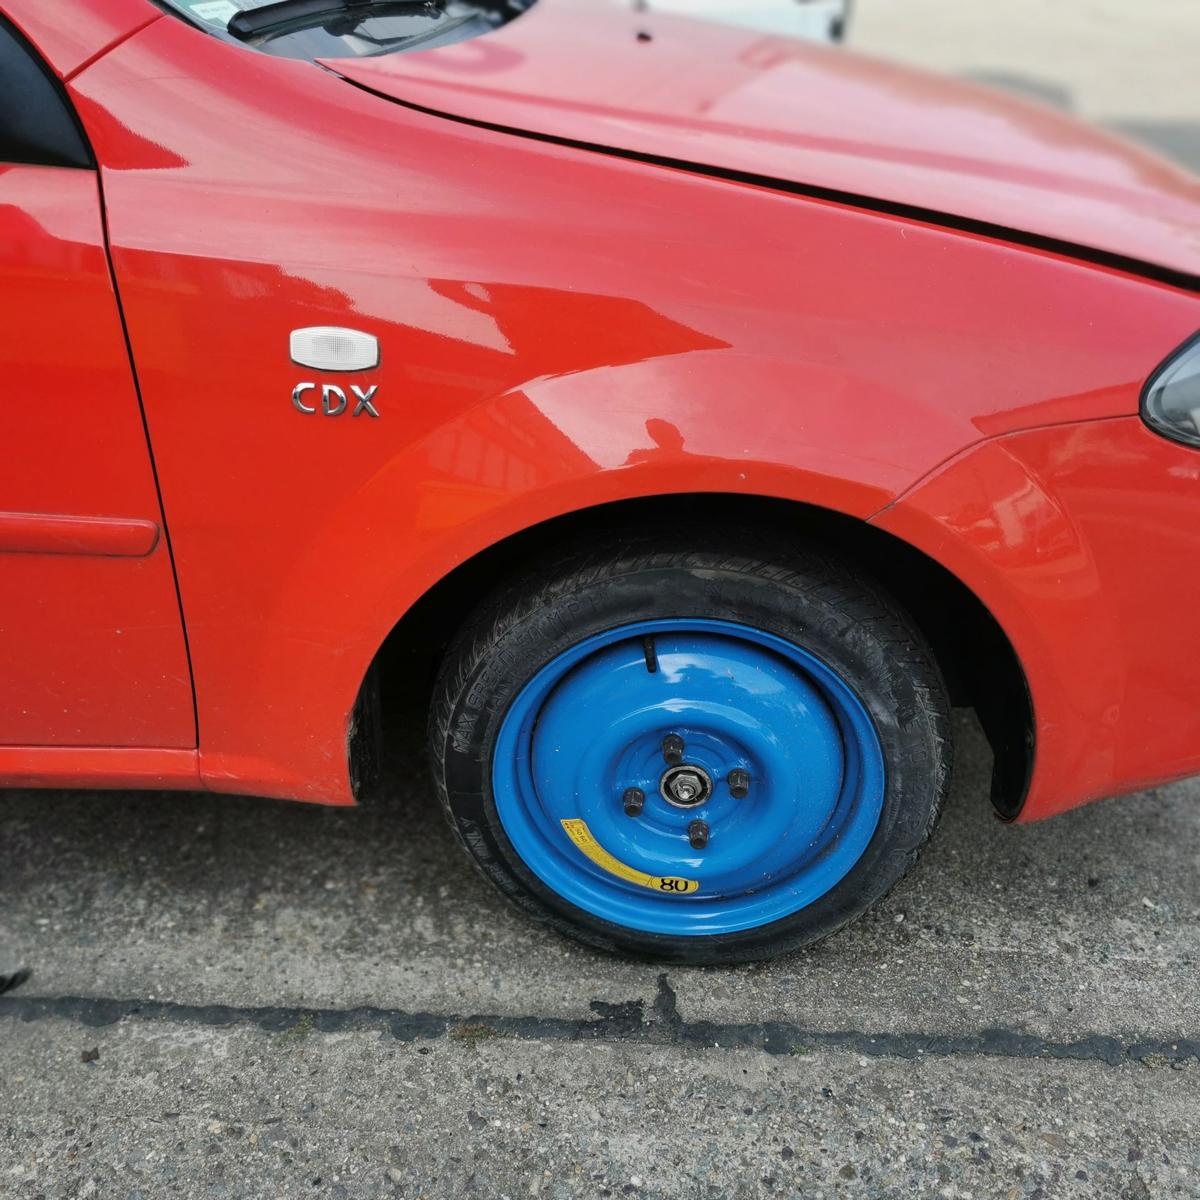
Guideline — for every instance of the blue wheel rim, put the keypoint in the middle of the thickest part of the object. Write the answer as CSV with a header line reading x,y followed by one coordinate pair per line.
x,y
591,724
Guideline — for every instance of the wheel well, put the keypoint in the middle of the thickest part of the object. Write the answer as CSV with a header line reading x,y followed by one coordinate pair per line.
x,y
978,662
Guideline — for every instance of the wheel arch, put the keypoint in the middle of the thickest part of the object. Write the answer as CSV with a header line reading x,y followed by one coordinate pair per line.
x,y
981,666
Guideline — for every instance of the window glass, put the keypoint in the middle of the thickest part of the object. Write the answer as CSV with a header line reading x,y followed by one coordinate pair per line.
x,y
36,123
347,28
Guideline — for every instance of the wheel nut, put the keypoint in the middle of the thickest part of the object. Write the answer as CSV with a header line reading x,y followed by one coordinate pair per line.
x,y
698,834
739,783
673,749
634,800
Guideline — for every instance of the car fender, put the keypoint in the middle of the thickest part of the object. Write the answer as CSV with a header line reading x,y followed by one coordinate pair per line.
x,y
1056,531
554,446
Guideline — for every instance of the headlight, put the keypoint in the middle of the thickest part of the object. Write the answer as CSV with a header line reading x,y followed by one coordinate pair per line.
x,y
1171,401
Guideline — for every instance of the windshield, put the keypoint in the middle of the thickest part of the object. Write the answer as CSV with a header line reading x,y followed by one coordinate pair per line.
x,y
313,29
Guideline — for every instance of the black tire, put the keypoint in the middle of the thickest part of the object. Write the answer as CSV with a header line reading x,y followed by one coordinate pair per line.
x,y
811,599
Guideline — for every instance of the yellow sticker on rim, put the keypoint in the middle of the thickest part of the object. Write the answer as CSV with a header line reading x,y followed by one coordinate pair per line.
x,y
581,835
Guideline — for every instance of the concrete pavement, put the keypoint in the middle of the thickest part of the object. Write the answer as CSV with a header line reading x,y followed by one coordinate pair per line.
x,y
1120,63
270,994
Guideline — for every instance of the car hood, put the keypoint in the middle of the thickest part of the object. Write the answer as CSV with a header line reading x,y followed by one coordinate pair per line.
x,y
599,73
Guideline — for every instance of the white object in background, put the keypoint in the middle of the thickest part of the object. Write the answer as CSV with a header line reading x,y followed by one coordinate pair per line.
x,y
817,20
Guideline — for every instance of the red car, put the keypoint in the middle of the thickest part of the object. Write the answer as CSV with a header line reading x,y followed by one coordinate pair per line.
x,y
706,413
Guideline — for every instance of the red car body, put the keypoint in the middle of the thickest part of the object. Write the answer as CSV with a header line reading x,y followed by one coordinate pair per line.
x,y
598,276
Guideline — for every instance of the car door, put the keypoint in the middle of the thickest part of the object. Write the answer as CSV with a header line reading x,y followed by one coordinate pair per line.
x,y
92,649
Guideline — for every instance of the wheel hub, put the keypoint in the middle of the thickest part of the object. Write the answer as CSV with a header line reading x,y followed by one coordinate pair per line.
x,y
685,786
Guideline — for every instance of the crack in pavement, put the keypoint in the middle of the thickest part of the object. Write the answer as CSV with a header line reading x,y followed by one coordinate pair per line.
x,y
624,1022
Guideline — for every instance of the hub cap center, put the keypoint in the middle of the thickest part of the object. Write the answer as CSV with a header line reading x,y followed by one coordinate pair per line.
x,y
685,786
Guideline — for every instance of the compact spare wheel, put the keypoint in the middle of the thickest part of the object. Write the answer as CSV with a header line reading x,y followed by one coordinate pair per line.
x,y
699,756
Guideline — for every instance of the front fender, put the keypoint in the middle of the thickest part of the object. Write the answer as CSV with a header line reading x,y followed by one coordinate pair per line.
x,y
793,430
556,445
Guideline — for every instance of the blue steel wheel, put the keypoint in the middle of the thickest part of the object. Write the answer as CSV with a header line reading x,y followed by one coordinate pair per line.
x,y
591,725
700,757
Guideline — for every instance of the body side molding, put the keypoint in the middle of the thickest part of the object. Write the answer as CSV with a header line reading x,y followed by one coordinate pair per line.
x,y
45,533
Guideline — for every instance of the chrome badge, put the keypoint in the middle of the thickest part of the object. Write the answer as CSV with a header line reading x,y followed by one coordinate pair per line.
x,y
331,348
334,401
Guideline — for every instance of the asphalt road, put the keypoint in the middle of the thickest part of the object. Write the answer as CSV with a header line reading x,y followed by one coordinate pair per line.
x,y
235,998
241,998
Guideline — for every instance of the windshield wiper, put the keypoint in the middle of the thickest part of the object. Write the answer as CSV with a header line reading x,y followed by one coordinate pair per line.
x,y
254,23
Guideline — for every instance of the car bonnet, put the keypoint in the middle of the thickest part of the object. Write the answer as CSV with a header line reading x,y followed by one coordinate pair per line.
x,y
774,110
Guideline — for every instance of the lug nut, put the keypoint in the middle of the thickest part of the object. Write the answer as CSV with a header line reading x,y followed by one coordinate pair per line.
x,y
739,783
634,800
673,749
698,834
